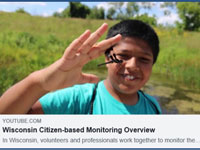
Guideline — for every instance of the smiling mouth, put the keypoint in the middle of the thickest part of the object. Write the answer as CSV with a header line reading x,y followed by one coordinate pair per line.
x,y
129,77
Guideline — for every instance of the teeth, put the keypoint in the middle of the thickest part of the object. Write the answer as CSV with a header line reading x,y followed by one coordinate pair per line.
x,y
130,77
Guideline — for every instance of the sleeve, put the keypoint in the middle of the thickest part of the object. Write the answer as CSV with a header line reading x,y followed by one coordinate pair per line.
x,y
73,100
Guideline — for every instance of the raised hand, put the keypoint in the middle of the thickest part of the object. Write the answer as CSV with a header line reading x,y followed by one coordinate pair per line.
x,y
67,71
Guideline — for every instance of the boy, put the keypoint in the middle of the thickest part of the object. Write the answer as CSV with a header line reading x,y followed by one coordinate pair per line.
x,y
131,49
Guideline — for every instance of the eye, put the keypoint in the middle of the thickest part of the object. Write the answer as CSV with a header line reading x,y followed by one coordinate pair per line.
x,y
144,60
123,56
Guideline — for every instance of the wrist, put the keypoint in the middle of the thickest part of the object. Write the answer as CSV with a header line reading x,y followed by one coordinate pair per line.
x,y
35,79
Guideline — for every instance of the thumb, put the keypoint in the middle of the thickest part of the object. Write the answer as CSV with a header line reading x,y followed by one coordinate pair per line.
x,y
88,78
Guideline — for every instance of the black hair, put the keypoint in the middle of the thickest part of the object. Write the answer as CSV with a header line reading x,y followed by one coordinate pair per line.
x,y
136,29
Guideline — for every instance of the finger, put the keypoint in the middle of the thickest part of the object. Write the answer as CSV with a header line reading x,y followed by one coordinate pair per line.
x,y
70,52
100,48
105,44
93,39
88,78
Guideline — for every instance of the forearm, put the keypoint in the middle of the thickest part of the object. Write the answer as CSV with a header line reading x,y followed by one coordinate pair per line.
x,y
65,72
20,97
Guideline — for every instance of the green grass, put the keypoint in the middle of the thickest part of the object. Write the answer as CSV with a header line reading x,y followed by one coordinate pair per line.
x,y
30,43
179,58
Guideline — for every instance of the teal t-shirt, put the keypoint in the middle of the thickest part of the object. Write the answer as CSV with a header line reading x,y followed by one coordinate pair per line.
x,y
77,100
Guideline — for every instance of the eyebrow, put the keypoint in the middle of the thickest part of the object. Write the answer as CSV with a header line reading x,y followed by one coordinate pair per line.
x,y
147,53
143,52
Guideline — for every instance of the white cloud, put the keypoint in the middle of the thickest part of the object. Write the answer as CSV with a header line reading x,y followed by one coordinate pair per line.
x,y
104,5
46,14
163,8
152,4
169,20
60,10
23,3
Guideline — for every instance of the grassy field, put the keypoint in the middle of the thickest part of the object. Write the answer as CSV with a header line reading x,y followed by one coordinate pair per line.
x,y
179,57
30,43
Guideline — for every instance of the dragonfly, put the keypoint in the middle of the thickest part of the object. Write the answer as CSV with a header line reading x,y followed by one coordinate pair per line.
x,y
113,60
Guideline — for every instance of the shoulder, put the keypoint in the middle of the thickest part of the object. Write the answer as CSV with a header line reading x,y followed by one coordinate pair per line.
x,y
75,89
152,100
69,100
85,87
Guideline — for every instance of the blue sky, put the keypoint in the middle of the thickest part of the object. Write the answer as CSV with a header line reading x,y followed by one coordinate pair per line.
x,y
48,8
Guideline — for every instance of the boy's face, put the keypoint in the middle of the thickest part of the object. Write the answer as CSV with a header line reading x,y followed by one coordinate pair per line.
x,y
130,75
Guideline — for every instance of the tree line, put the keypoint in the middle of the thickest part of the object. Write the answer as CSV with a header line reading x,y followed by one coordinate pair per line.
x,y
189,12
115,12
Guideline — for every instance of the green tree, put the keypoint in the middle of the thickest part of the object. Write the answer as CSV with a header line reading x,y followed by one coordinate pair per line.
x,y
171,5
189,12
147,19
147,5
66,12
111,13
21,10
132,9
117,6
78,10
75,9
57,14
96,13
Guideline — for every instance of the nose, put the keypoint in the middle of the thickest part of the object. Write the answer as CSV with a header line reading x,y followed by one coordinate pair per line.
x,y
132,63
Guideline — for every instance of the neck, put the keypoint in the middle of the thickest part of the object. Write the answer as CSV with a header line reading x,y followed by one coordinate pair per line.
x,y
129,99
